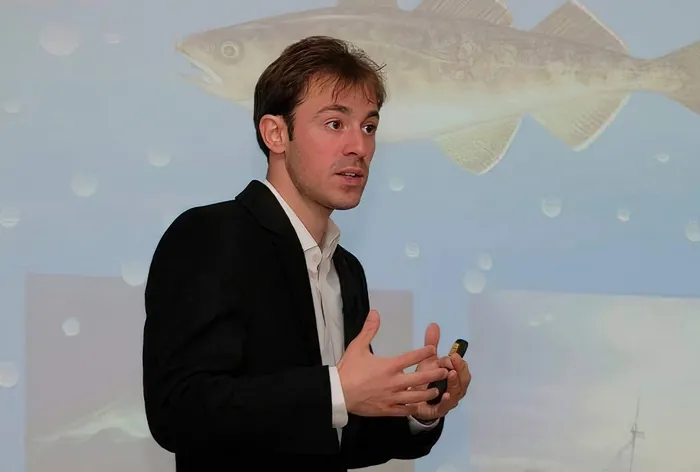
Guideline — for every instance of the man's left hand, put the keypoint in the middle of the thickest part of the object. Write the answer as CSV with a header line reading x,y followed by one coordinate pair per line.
x,y
457,380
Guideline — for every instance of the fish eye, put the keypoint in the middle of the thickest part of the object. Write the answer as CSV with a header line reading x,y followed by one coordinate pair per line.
x,y
230,50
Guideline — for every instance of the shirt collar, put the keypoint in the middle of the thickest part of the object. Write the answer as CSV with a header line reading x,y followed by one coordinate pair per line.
x,y
330,238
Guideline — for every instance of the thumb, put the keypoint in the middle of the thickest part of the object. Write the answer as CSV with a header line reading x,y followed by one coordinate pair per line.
x,y
432,335
370,328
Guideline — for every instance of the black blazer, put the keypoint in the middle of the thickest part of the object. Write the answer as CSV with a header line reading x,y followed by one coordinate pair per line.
x,y
232,371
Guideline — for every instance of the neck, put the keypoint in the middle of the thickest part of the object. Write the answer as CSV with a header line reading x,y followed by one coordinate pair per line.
x,y
312,215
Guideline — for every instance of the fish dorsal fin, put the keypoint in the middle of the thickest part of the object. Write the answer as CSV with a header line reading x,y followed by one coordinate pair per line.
x,y
492,11
368,4
573,21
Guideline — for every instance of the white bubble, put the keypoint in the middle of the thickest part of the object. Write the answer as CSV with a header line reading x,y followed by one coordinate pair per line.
x,y
158,159
662,157
623,214
9,374
540,320
474,281
447,468
408,5
412,250
59,40
692,231
484,261
83,184
135,273
12,107
396,184
551,206
9,216
111,38
71,327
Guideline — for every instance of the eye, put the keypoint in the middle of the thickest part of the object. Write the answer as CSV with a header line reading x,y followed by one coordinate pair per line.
x,y
370,128
334,124
230,50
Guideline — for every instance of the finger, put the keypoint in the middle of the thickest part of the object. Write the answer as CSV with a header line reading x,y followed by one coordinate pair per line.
x,y
465,376
457,361
453,384
411,358
445,405
438,410
397,410
446,362
432,335
369,329
430,364
416,379
407,397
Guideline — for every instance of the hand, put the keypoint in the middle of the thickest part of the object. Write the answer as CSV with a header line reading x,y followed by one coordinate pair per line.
x,y
378,386
458,380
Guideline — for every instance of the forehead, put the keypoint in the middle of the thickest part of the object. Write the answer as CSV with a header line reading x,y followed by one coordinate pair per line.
x,y
360,99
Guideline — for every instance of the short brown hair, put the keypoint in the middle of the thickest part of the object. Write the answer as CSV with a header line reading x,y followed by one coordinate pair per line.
x,y
285,82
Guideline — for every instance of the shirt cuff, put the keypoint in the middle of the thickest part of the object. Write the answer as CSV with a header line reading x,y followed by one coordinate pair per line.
x,y
340,412
418,427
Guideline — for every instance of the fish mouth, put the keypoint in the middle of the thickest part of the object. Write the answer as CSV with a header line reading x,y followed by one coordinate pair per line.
x,y
204,72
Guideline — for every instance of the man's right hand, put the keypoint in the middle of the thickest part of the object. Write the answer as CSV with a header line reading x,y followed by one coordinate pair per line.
x,y
378,386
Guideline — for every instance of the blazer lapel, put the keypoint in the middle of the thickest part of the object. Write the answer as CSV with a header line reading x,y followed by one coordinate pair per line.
x,y
353,319
263,205
293,263
350,294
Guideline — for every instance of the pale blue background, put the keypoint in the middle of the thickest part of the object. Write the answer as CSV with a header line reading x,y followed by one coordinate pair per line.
x,y
101,110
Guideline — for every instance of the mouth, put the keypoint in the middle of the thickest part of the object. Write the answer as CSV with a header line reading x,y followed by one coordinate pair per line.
x,y
354,171
203,73
352,176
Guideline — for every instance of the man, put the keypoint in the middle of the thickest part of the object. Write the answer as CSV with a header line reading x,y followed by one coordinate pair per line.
x,y
257,339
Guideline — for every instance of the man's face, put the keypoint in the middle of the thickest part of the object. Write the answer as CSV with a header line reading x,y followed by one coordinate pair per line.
x,y
333,144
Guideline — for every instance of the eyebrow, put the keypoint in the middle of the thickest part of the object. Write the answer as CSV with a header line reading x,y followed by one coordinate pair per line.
x,y
346,111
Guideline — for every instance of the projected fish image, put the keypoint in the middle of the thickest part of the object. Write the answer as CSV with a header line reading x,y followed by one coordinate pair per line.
x,y
458,72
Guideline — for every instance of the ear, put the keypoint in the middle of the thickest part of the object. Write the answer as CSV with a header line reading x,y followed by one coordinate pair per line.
x,y
274,132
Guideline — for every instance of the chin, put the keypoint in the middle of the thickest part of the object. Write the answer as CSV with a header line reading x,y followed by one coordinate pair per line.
x,y
344,203
346,206
341,199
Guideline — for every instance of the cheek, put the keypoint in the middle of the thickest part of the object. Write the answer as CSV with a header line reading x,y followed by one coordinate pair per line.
x,y
371,147
321,153
309,160
308,142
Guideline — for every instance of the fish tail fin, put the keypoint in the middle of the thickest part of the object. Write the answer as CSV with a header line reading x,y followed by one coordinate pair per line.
x,y
686,63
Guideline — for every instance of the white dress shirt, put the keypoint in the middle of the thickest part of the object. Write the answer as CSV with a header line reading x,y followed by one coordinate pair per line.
x,y
328,305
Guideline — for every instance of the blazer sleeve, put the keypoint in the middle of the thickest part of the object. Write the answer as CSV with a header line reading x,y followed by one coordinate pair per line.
x,y
380,439
192,349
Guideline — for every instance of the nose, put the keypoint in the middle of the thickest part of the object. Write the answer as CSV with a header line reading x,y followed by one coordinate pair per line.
x,y
358,143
